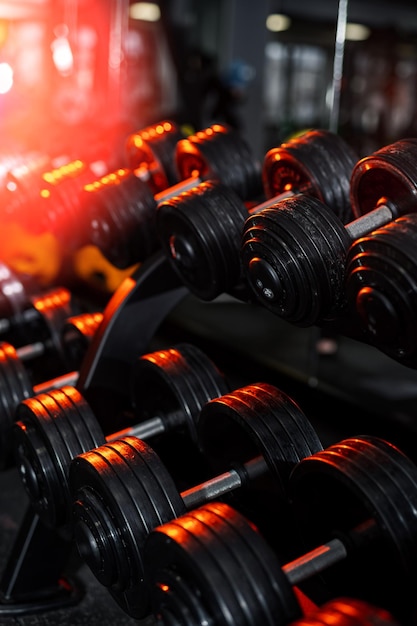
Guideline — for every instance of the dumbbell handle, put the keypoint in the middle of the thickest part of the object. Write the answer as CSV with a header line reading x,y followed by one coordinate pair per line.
x,y
224,483
144,430
368,222
56,383
322,557
315,561
175,190
31,351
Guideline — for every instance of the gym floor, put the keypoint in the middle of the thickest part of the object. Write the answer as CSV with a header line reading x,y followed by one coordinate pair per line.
x,y
356,390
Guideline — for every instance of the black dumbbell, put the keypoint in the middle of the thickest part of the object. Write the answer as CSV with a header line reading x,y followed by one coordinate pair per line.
x,y
381,287
122,490
121,211
347,612
16,384
200,231
360,495
42,323
294,254
171,387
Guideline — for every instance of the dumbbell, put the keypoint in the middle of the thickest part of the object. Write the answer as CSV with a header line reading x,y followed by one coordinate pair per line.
x,y
68,339
51,429
16,384
200,231
359,496
294,253
121,211
347,612
122,490
42,322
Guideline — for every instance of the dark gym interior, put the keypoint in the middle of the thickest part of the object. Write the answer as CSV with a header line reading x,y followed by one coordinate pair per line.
x,y
208,312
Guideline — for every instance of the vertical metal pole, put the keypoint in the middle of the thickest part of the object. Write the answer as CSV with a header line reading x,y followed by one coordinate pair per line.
x,y
339,51
321,341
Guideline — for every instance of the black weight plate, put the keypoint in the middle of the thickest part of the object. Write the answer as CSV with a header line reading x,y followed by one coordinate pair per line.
x,y
140,222
200,233
76,335
293,255
257,420
54,307
153,148
175,384
357,481
229,572
317,163
381,286
387,175
15,386
219,153
347,612
51,429
121,492
131,219
110,212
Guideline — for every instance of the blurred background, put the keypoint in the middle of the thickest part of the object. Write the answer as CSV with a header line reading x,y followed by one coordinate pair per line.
x,y
78,76
74,68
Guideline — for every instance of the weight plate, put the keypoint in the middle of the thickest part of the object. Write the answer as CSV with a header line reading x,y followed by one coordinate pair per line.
x,y
15,386
175,384
121,492
54,307
51,429
200,232
381,287
386,176
153,149
76,335
360,481
257,420
219,153
293,255
317,163
212,563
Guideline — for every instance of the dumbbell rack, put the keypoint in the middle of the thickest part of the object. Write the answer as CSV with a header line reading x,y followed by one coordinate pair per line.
x,y
31,580
154,301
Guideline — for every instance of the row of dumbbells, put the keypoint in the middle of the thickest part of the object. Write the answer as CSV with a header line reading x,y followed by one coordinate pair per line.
x,y
116,211
305,262
41,333
189,560
301,253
